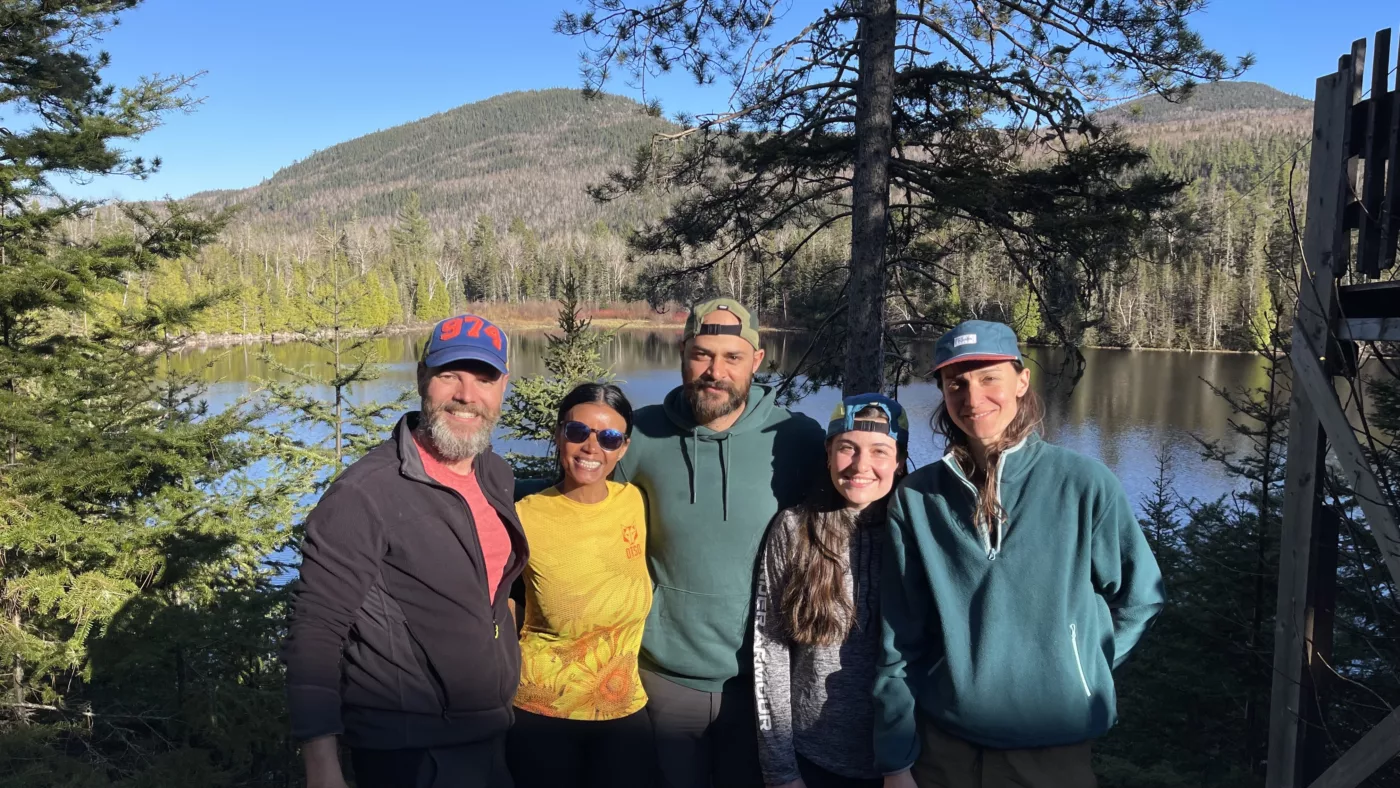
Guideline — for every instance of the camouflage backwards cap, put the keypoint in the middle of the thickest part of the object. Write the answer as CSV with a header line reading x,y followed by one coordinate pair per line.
x,y
747,327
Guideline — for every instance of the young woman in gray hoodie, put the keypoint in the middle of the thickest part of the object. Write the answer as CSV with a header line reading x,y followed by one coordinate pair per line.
x,y
816,620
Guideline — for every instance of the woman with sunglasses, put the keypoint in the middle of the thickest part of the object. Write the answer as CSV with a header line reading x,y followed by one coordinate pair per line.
x,y
579,708
817,622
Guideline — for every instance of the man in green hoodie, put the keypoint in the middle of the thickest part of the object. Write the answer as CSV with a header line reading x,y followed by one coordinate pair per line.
x,y
717,460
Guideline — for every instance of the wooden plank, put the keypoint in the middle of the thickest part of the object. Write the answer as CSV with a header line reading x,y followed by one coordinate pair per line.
x,y
1356,134
1371,753
1371,299
1351,216
1368,239
1384,525
1311,328
1390,208
1318,636
1369,329
1301,498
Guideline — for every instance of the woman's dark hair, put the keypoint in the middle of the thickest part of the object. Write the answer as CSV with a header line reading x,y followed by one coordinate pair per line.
x,y
1030,412
584,394
816,608
601,393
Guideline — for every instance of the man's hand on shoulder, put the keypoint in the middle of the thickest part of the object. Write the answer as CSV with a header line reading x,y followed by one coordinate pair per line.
x,y
322,759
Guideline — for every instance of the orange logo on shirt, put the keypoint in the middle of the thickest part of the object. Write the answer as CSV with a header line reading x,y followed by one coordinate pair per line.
x,y
629,536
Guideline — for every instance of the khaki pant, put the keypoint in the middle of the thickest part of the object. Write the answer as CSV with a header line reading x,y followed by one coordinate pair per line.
x,y
949,762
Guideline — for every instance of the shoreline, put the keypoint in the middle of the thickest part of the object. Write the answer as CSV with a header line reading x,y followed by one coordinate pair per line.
x,y
208,341
212,341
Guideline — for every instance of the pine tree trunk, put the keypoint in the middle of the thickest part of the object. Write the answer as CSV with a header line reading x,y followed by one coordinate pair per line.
x,y
870,200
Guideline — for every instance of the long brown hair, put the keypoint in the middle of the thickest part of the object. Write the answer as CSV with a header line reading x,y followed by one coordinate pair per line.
x,y
816,607
1030,412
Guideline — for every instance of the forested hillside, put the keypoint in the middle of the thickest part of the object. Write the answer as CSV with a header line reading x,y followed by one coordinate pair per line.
x,y
527,154
1207,99
488,202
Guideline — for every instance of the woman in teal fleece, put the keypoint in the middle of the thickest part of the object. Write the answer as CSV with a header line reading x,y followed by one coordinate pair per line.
x,y
1015,579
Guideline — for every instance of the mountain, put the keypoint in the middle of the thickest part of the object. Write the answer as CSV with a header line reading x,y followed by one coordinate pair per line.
x,y
1209,98
533,154
1201,277
527,154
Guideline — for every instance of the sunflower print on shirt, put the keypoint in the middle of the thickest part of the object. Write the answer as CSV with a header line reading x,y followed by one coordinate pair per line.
x,y
587,595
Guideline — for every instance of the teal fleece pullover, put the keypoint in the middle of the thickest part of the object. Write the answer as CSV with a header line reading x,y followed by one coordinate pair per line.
x,y
710,496
1009,647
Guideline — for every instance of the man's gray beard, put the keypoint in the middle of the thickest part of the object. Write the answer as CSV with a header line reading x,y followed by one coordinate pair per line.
x,y
705,411
448,444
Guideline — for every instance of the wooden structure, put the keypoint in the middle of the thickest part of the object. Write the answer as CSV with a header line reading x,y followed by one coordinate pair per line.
x,y
1353,215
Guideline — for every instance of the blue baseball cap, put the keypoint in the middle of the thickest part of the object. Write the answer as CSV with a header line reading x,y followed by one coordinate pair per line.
x,y
976,340
843,418
467,337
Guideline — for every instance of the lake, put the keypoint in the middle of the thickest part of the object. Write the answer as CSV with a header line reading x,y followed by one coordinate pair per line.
x,y
1127,405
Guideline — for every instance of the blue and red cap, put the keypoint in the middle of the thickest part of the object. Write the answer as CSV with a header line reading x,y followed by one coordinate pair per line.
x,y
464,338
976,340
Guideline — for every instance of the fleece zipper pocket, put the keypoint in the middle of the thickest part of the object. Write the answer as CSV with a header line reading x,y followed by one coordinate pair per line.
x,y
1078,664
433,677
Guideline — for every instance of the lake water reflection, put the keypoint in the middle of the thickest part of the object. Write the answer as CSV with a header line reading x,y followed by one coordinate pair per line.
x,y
1126,406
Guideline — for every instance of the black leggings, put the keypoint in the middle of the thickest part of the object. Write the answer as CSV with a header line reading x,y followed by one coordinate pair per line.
x,y
548,752
815,776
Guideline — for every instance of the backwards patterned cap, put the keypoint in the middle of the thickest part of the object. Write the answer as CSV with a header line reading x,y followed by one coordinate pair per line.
x,y
843,418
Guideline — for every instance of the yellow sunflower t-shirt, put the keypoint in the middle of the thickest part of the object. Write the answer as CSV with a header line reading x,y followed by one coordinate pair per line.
x,y
587,595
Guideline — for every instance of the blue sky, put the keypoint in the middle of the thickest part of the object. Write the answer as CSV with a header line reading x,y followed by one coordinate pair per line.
x,y
287,78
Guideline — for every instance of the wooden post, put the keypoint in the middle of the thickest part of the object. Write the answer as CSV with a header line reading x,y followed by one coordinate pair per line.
x,y
1315,691
1368,248
1306,441
1390,206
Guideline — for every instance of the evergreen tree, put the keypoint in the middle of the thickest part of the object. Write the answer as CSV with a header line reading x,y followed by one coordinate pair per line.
x,y
377,308
531,285
1025,316
483,282
409,242
138,605
339,429
574,356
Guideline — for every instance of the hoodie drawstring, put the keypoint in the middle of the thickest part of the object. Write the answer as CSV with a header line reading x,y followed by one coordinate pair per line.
x,y
694,462
724,473
725,460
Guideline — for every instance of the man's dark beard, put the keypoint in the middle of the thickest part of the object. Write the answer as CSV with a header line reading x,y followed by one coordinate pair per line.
x,y
707,410
445,441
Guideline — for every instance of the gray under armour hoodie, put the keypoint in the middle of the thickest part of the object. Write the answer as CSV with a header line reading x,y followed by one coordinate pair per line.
x,y
817,700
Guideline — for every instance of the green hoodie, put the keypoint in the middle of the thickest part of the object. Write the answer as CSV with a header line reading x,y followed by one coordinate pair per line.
x,y
1010,647
710,496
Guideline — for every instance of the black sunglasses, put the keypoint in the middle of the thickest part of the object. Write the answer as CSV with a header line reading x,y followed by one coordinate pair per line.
x,y
578,432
